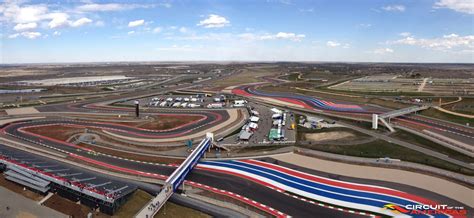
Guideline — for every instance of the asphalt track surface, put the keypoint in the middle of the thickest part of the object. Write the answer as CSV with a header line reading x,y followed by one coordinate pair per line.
x,y
238,185
207,120
242,186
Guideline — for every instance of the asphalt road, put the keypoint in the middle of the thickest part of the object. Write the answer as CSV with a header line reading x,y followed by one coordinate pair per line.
x,y
259,193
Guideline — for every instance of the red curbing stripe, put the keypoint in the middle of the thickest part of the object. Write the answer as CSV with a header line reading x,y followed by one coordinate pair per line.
x,y
109,166
340,184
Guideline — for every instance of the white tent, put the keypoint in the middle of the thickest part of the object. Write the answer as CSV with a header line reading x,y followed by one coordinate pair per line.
x,y
254,119
253,125
277,111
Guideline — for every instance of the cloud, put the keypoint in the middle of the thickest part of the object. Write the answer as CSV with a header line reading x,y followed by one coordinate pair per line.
x,y
99,23
12,36
157,30
394,8
131,32
307,10
405,34
136,23
56,33
281,35
94,7
214,21
104,7
17,14
291,36
28,35
463,6
27,17
58,20
332,44
444,43
25,26
364,25
81,22
183,29
383,51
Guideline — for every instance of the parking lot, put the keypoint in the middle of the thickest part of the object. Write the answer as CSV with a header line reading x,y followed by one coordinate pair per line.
x,y
186,101
260,135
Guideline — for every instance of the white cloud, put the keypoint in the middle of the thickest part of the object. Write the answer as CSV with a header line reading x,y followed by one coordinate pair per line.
x,y
81,22
291,36
28,35
94,7
183,29
157,30
405,34
308,10
446,42
12,36
99,23
27,14
214,21
333,43
364,25
104,7
136,23
131,32
58,20
383,51
464,6
56,33
281,35
25,26
395,8
166,5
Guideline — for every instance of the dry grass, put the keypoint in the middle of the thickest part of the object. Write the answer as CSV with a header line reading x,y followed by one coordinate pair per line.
x,y
246,76
136,202
174,210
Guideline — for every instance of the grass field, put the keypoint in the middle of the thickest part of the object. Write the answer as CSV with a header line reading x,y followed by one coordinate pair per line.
x,y
422,142
174,210
302,131
431,112
140,198
246,76
379,148
465,106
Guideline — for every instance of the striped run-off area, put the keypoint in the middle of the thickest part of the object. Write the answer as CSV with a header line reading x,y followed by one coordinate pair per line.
x,y
344,194
305,101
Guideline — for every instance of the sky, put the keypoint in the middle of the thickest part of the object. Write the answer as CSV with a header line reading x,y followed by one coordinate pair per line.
x,y
238,30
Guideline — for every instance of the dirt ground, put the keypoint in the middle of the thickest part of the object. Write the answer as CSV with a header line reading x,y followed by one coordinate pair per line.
x,y
163,122
56,131
326,136
19,189
70,208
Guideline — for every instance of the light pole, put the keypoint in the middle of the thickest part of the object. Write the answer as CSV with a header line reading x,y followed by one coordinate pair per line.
x,y
137,108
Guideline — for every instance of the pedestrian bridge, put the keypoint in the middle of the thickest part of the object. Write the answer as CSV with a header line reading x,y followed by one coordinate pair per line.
x,y
176,179
395,113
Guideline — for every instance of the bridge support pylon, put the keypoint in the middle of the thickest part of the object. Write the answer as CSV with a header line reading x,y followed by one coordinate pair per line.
x,y
375,121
